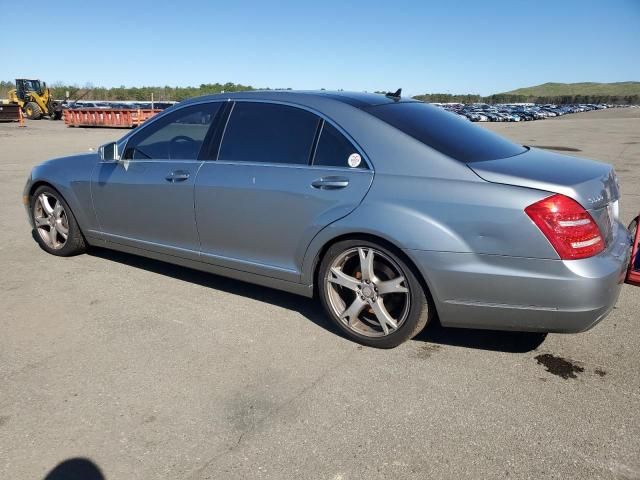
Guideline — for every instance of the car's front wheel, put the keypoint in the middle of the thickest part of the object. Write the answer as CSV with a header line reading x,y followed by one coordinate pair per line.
x,y
56,229
371,294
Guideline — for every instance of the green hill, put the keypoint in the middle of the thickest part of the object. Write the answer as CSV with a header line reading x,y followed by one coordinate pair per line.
x,y
617,89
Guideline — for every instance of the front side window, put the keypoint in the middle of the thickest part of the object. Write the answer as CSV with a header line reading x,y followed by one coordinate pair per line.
x,y
268,133
179,135
335,150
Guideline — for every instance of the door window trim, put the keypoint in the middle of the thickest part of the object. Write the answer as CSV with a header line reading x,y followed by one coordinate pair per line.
x,y
323,119
213,140
316,140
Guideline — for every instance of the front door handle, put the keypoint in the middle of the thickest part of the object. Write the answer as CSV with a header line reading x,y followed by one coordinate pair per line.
x,y
177,176
330,183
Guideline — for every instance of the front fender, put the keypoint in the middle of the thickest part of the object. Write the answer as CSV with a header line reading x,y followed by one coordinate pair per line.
x,y
71,176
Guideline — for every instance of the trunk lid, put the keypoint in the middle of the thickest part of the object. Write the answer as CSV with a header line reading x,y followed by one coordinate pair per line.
x,y
592,184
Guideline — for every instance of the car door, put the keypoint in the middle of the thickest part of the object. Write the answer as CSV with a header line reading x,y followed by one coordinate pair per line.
x,y
146,199
262,199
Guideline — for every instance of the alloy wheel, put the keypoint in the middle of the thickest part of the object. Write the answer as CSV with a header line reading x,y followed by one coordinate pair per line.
x,y
51,220
368,292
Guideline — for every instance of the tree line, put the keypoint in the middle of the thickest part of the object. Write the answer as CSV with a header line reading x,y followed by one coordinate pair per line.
x,y
59,91
168,93
144,93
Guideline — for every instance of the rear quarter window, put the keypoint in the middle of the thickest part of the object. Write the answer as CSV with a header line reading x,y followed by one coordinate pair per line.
x,y
334,149
446,132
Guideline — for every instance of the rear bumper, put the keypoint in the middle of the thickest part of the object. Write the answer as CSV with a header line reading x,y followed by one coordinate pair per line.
x,y
525,294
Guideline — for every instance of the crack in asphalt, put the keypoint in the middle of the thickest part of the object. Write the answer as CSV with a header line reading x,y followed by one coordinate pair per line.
x,y
271,415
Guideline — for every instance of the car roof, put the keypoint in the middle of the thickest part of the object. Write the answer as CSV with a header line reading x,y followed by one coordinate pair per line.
x,y
355,99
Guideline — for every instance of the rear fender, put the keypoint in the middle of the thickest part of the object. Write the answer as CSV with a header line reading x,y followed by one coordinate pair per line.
x,y
418,213
497,229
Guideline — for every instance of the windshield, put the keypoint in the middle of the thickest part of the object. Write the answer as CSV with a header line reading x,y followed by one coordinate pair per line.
x,y
33,86
446,132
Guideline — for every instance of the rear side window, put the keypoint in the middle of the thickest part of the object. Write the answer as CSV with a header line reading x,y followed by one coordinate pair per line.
x,y
176,136
446,132
268,133
334,149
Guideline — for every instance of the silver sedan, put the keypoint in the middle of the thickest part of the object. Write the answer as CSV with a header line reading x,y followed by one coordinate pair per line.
x,y
390,211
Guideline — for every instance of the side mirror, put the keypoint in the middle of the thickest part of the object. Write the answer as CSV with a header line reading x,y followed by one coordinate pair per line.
x,y
109,152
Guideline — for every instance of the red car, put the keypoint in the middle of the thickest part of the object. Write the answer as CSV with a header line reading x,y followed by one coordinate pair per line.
x,y
633,273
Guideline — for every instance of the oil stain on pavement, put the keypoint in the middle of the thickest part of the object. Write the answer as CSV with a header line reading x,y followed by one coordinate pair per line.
x,y
559,366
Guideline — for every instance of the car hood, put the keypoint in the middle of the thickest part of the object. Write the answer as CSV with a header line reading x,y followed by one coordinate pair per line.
x,y
592,184
89,155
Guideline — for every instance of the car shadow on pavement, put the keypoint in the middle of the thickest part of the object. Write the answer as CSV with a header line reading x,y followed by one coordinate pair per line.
x,y
499,341
513,342
307,307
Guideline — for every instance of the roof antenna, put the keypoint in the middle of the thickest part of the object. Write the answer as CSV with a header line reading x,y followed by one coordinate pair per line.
x,y
396,95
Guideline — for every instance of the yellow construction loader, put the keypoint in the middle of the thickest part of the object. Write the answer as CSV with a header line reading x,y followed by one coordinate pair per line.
x,y
34,98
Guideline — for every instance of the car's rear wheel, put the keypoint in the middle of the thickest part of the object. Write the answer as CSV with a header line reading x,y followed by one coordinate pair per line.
x,y
371,294
56,229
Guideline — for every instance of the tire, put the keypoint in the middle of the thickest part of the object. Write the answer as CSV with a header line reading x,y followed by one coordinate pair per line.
x,y
51,213
33,111
349,281
53,113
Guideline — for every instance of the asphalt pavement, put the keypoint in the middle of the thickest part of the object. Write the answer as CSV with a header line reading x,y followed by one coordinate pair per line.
x,y
153,371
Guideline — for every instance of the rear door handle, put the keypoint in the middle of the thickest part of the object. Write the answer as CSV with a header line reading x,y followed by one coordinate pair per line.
x,y
330,183
177,176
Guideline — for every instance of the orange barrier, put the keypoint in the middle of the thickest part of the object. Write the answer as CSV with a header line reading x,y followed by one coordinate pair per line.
x,y
104,117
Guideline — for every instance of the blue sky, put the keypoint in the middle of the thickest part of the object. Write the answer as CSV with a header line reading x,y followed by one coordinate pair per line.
x,y
451,46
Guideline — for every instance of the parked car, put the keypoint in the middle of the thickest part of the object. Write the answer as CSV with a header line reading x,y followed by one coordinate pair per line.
x,y
278,188
79,105
86,105
120,106
516,112
163,105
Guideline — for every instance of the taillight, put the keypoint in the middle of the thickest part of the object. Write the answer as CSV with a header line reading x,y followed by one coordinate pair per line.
x,y
568,227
